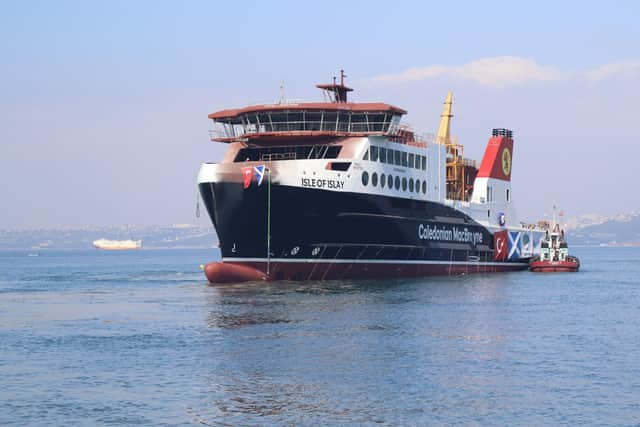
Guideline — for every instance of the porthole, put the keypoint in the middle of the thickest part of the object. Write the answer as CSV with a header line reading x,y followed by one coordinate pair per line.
x,y
417,185
365,178
374,179
424,187
404,184
390,182
397,183
383,180
411,185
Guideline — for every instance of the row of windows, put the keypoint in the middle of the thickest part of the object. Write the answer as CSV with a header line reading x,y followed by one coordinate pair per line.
x,y
396,157
288,153
391,182
280,121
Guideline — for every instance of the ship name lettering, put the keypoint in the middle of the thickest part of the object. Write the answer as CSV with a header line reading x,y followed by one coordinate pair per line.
x,y
454,234
331,184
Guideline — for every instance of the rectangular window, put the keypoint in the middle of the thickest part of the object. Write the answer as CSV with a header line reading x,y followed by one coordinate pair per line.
x,y
411,160
398,158
424,163
405,159
508,196
374,153
418,161
383,155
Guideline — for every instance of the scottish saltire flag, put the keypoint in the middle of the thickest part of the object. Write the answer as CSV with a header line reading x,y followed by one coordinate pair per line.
x,y
515,247
259,173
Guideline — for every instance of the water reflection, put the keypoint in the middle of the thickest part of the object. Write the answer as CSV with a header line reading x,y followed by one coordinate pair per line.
x,y
288,348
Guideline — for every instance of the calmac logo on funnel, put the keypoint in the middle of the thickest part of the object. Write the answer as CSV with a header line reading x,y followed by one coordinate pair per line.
x,y
500,245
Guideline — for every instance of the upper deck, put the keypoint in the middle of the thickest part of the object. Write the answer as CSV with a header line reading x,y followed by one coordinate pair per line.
x,y
333,118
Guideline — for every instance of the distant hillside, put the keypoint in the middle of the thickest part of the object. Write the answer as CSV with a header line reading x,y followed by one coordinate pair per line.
x,y
622,230
153,237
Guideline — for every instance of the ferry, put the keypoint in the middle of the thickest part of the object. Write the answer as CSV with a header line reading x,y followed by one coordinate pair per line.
x,y
114,245
345,190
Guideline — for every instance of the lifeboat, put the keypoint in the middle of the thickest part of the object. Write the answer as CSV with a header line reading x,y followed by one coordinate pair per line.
x,y
554,254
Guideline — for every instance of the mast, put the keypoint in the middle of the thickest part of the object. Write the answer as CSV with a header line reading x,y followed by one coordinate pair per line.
x,y
456,180
337,93
445,121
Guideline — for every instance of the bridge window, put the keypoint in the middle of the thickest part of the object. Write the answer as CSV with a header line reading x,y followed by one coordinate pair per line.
x,y
343,122
329,121
383,155
257,154
313,120
366,155
359,122
332,120
374,153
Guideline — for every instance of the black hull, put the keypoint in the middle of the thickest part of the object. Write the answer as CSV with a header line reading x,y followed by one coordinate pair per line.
x,y
318,234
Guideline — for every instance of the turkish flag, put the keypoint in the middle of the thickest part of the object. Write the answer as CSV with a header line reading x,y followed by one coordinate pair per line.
x,y
247,176
500,245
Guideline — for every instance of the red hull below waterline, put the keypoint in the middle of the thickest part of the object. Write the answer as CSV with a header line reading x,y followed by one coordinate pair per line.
x,y
228,272
220,272
554,266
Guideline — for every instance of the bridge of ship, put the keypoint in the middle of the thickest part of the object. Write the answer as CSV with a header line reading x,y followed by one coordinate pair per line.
x,y
308,120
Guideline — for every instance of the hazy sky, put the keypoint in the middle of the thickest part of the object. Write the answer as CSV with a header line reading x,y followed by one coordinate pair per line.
x,y
103,105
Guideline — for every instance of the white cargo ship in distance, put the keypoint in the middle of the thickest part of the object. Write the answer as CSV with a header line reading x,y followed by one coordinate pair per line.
x,y
340,189
115,245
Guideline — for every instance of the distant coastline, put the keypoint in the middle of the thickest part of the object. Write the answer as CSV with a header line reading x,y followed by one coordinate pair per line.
x,y
179,236
621,230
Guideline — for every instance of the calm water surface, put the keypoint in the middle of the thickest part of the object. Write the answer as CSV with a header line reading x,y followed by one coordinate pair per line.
x,y
131,338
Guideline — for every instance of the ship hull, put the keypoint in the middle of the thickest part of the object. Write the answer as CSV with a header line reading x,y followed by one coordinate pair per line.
x,y
570,266
321,235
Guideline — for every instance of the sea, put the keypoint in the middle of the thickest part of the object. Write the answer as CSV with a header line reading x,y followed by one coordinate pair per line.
x,y
139,338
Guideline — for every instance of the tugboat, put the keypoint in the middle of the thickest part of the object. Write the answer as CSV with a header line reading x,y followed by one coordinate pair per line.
x,y
554,254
